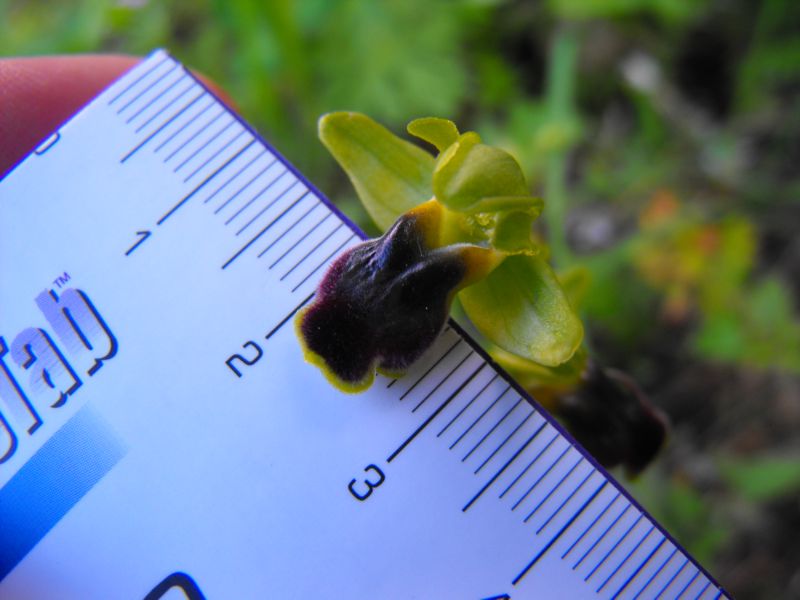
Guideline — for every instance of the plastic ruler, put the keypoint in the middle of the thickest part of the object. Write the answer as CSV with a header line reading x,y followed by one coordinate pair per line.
x,y
161,435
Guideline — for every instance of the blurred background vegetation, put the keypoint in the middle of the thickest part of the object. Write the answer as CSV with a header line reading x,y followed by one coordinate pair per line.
x,y
664,136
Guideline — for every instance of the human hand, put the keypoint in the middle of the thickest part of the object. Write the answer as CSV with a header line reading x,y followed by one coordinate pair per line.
x,y
38,94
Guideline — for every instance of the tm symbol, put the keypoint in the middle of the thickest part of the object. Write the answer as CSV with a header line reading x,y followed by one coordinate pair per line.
x,y
61,280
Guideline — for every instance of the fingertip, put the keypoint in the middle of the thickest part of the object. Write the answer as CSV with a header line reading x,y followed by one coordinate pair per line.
x,y
39,94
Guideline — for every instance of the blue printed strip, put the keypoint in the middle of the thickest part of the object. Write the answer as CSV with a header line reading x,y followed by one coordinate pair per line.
x,y
54,480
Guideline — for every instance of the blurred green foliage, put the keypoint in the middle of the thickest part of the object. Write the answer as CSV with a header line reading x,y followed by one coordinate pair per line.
x,y
685,513
763,478
664,136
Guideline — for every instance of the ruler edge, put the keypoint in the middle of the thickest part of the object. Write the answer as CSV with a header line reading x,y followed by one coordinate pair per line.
x,y
461,331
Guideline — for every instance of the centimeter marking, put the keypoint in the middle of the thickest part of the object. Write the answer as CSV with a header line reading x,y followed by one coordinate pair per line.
x,y
247,185
277,216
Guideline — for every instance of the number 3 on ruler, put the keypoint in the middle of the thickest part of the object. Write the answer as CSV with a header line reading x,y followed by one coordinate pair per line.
x,y
367,483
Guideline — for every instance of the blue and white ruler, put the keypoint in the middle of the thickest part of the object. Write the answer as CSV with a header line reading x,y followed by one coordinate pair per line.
x,y
161,435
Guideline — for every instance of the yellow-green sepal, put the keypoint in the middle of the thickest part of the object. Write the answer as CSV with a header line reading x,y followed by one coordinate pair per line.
x,y
441,133
390,175
521,308
496,204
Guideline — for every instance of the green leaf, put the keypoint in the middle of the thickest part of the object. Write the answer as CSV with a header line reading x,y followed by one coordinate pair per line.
x,y
722,337
442,133
469,171
521,307
391,175
763,478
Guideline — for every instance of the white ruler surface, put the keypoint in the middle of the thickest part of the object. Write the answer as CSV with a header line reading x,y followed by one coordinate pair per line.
x,y
161,435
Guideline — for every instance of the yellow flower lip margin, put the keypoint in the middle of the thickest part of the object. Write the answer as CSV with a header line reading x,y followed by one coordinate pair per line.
x,y
319,361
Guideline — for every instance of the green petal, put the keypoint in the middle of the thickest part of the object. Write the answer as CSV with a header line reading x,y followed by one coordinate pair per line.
x,y
575,282
442,133
513,232
532,375
521,307
391,175
469,171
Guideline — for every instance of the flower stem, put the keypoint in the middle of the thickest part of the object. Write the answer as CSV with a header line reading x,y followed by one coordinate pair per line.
x,y
560,93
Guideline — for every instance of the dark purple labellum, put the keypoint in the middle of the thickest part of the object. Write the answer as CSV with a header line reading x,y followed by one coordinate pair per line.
x,y
383,302
614,420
